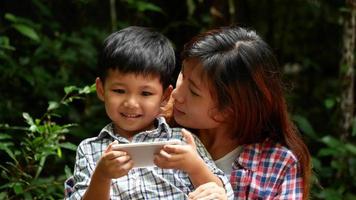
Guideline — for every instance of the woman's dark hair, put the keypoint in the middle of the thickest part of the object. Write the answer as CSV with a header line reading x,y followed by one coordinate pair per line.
x,y
244,78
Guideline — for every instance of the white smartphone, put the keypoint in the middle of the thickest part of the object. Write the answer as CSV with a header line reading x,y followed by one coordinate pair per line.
x,y
142,153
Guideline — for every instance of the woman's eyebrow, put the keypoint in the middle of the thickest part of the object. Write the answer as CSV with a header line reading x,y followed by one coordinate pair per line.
x,y
194,84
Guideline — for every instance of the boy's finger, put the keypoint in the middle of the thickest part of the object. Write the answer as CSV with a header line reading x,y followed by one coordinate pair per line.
x,y
123,159
164,154
114,154
174,149
188,137
110,146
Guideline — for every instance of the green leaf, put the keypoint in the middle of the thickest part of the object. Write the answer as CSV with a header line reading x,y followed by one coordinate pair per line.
x,y
68,145
68,171
351,148
70,89
5,43
10,17
328,152
27,31
59,152
7,185
87,89
144,6
329,103
331,142
191,7
3,195
33,128
5,147
28,118
305,126
316,163
4,136
52,105
18,188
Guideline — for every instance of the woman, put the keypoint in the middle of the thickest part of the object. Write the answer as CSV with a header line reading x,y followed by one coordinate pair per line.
x,y
230,91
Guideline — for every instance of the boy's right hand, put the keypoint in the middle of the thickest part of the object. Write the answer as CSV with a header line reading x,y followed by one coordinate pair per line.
x,y
113,163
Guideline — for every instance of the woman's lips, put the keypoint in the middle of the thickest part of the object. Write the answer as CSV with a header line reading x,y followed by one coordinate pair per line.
x,y
177,111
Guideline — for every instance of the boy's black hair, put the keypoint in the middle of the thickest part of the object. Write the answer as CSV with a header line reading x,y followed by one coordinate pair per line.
x,y
138,50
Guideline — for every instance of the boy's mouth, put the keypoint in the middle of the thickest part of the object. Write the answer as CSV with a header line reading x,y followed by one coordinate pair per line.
x,y
127,115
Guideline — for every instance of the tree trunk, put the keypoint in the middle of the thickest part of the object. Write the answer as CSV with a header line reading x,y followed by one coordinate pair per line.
x,y
347,70
113,15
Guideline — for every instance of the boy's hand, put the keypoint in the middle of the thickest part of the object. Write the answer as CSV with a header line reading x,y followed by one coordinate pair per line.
x,y
177,156
208,191
113,164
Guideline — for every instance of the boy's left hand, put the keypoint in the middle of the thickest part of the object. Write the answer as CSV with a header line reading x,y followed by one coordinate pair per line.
x,y
179,156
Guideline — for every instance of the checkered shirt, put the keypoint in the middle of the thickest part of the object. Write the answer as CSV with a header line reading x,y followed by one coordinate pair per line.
x,y
266,171
139,183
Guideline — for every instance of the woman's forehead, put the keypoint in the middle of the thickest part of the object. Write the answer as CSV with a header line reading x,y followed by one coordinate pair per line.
x,y
193,68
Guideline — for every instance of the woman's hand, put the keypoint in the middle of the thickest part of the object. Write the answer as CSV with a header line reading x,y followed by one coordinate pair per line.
x,y
180,156
208,191
113,163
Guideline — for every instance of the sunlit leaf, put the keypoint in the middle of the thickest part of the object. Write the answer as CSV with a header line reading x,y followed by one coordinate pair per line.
x,y
59,152
70,89
28,118
27,31
52,105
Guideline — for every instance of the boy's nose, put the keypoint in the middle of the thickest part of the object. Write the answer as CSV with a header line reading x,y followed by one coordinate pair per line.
x,y
131,102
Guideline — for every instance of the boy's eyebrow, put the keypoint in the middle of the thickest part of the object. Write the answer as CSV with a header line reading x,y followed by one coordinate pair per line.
x,y
147,87
119,84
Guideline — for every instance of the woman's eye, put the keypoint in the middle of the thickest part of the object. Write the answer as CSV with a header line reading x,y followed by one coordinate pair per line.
x,y
119,91
146,93
193,93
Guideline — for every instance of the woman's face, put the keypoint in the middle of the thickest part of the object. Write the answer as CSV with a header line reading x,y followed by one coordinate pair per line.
x,y
193,104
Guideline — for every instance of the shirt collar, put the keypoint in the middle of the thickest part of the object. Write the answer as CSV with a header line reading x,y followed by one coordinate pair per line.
x,y
162,130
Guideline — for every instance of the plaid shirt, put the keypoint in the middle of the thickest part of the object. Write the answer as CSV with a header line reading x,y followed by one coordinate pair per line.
x,y
266,171
139,183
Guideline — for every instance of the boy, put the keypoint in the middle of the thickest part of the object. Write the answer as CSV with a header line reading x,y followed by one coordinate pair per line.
x,y
136,65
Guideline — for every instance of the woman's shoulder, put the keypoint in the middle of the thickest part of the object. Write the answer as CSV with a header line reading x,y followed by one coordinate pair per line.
x,y
266,154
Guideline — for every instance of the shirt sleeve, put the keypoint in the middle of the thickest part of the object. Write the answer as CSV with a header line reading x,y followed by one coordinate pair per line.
x,y
204,154
81,175
292,185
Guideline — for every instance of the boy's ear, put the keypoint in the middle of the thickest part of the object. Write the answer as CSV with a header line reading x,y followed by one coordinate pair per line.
x,y
166,95
99,88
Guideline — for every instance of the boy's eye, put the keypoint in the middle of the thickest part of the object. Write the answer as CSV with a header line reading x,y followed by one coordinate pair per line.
x,y
120,91
145,93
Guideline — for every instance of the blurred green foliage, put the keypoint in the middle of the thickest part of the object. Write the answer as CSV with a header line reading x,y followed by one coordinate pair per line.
x,y
47,45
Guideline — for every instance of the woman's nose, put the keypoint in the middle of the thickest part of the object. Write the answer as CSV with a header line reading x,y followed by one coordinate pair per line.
x,y
177,92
